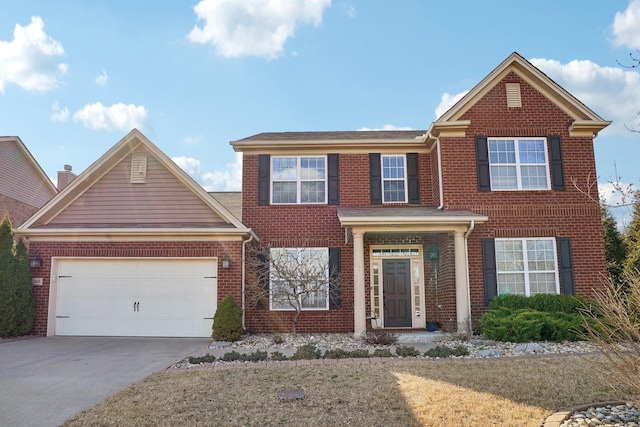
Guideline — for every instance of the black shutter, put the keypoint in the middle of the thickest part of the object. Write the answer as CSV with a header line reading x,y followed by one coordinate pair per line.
x,y
264,170
375,179
333,179
489,267
557,169
482,160
262,302
566,265
412,178
335,291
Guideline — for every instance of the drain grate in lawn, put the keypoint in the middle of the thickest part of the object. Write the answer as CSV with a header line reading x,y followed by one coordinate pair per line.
x,y
291,394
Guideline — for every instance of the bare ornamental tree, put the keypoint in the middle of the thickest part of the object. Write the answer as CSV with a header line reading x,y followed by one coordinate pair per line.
x,y
295,279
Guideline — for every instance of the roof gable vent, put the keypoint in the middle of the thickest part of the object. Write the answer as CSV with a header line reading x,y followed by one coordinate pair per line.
x,y
138,169
513,95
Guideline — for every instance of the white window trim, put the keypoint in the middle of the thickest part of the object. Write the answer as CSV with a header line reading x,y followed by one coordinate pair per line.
x,y
525,260
326,307
383,179
519,165
298,180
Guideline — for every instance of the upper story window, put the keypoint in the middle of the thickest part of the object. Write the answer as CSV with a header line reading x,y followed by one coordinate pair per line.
x,y
394,179
518,164
298,180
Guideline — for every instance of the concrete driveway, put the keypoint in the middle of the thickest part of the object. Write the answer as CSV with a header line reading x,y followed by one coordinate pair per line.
x,y
45,381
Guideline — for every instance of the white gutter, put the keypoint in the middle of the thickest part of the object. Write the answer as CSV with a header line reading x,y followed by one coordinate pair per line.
x,y
466,254
244,269
441,188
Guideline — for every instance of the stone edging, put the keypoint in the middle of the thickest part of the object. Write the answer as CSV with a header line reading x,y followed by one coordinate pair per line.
x,y
557,418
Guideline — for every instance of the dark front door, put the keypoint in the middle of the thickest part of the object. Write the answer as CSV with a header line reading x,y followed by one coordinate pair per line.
x,y
397,293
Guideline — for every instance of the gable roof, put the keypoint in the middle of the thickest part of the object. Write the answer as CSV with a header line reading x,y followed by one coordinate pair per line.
x,y
585,121
51,221
21,177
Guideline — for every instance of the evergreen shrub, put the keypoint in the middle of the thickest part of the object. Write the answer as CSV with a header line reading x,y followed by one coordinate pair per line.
x,y
227,322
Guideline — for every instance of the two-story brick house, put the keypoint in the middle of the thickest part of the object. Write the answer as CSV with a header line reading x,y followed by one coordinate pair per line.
x,y
427,226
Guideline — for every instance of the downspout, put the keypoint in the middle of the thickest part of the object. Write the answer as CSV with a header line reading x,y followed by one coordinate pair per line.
x,y
428,136
440,185
466,254
244,269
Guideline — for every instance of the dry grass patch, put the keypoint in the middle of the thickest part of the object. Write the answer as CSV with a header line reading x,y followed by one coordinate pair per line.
x,y
453,392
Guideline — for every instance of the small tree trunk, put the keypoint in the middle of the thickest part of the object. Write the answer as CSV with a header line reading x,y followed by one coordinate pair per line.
x,y
295,322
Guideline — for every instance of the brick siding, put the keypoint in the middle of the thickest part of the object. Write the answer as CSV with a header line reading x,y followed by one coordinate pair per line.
x,y
567,213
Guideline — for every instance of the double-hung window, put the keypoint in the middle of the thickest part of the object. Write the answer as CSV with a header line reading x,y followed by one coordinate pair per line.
x,y
298,180
527,266
394,179
518,164
299,278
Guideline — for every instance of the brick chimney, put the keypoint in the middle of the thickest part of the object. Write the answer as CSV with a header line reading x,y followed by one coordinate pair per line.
x,y
65,177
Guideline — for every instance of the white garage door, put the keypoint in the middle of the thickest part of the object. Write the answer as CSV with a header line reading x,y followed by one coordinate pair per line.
x,y
136,297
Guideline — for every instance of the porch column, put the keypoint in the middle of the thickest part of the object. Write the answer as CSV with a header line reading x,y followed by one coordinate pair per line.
x,y
462,294
359,297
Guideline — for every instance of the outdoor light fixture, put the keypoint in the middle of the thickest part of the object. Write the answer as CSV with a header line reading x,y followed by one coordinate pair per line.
x,y
434,253
35,261
226,262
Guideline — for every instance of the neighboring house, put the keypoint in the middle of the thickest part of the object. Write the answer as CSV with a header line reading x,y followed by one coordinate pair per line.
x,y
427,226
133,246
24,187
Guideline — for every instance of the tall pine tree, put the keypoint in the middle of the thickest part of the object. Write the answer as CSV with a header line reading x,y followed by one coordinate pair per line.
x,y
632,240
25,305
614,246
7,292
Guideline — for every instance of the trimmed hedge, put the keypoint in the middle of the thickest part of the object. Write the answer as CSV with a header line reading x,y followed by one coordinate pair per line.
x,y
548,303
542,317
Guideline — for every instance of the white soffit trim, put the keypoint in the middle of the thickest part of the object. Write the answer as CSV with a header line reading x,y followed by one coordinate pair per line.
x,y
134,234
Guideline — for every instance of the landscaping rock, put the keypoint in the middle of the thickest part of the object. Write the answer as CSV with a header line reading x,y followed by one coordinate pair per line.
x,y
530,347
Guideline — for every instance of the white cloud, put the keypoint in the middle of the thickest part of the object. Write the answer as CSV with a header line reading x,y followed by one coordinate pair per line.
x,y
351,11
102,79
447,101
253,28
116,117
229,179
618,197
616,194
626,26
29,60
191,140
59,114
612,92
387,127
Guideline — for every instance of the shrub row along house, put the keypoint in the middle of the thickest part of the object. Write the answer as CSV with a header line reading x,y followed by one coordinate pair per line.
x,y
424,227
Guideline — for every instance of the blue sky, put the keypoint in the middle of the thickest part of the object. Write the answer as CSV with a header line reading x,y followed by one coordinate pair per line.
x,y
77,75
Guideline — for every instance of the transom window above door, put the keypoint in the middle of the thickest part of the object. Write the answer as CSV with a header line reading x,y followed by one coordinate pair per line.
x,y
298,180
518,164
394,177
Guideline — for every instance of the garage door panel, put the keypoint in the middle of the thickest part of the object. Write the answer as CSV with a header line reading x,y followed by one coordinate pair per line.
x,y
87,306
136,297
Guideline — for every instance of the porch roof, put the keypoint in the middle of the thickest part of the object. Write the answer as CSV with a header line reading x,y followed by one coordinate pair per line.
x,y
409,217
